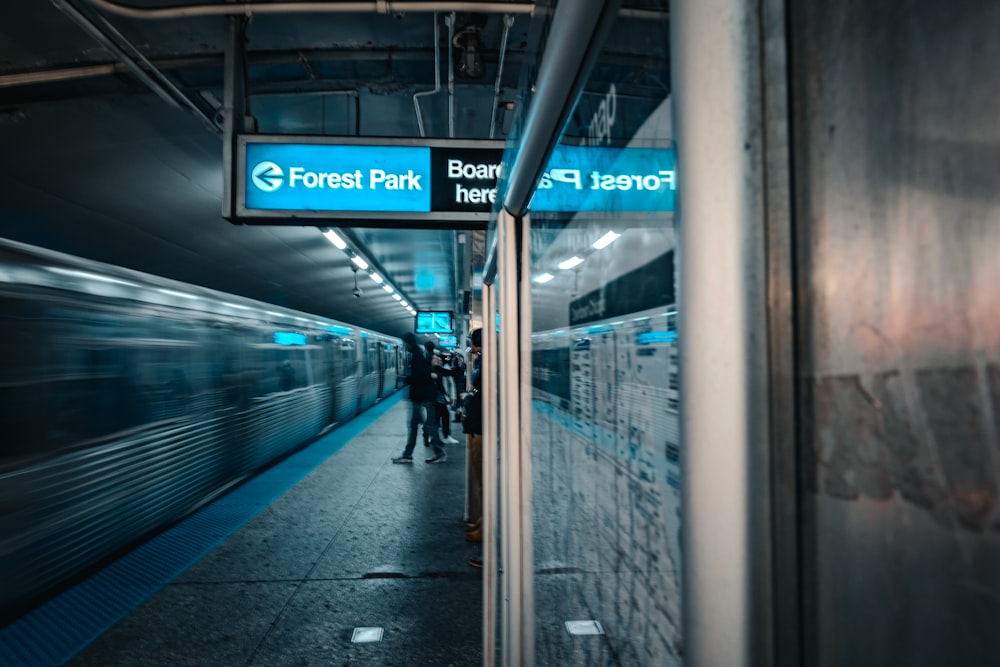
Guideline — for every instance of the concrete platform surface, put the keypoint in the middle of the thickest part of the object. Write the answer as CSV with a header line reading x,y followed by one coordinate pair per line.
x,y
359,543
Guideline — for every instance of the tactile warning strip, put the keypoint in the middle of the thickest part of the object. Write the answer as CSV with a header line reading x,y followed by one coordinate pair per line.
x,y
59,629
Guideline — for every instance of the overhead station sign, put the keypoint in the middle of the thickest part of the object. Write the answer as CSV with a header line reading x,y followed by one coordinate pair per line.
x,y
583,178
285,179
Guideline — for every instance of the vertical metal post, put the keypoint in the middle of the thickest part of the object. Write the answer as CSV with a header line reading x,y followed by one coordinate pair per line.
x,y
451,76
509,636
491,567
786,613
524,472
233,107
516,543
716,70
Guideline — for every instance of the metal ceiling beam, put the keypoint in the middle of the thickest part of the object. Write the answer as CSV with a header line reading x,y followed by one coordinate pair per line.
x,y
58,74
108,36
250,9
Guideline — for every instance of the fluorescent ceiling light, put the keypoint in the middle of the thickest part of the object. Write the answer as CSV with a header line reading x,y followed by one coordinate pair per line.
x,y
388,288
360,262
543,278
332,237
183,295
606,240
405,305
89,276
397,297
571,262
376,277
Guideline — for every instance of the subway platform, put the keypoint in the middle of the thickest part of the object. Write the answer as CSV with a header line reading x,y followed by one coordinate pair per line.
x,y
335,556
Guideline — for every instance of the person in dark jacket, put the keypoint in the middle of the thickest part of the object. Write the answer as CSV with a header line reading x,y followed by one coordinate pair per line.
x,y
458,366
473,426
423,395
442,416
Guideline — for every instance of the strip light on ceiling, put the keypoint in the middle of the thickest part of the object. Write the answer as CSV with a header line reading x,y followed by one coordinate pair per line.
x,y
606,240
575,260
333,237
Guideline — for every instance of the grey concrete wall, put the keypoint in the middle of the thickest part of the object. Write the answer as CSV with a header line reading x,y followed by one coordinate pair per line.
x,y
896,139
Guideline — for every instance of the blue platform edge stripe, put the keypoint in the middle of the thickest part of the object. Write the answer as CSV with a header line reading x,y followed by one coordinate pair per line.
x,y
53,633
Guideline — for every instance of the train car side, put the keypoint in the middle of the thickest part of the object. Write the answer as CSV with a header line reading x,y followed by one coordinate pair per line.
x,y
127,401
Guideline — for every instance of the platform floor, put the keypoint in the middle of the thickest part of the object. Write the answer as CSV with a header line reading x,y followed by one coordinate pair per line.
x,y
359,542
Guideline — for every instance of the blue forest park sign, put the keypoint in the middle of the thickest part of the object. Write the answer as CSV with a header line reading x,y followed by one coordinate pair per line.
x,y
304,177
294,178
580,178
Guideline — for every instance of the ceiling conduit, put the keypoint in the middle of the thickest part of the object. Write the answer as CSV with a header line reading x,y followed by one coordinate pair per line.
x,y
437,78
116,43
249,9
451,76
508,21
578,32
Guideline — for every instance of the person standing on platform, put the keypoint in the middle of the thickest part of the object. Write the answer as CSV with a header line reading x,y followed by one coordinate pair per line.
x,y
422,409
442,399
458,375
473,425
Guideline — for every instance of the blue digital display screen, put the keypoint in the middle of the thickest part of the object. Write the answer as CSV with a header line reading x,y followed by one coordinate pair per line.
x,y
324,177
289,338
433,322
448,341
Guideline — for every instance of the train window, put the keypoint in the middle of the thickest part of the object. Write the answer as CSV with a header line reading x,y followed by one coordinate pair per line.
x,y
348,358
371,357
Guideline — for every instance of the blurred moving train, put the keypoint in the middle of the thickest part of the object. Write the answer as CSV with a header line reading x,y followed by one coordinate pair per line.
x,y
128,400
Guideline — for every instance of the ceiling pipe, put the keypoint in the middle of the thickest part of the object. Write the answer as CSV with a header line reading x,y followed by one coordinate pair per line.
x,y
249,9
104,40
437,77
573,46
137,63
508,21
574,42
53,75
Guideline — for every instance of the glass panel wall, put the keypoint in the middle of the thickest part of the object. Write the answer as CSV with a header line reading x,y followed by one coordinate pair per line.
x,y
606,455
898,224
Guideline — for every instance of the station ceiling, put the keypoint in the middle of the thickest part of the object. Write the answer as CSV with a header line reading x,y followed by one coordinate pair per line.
x,y
98,165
